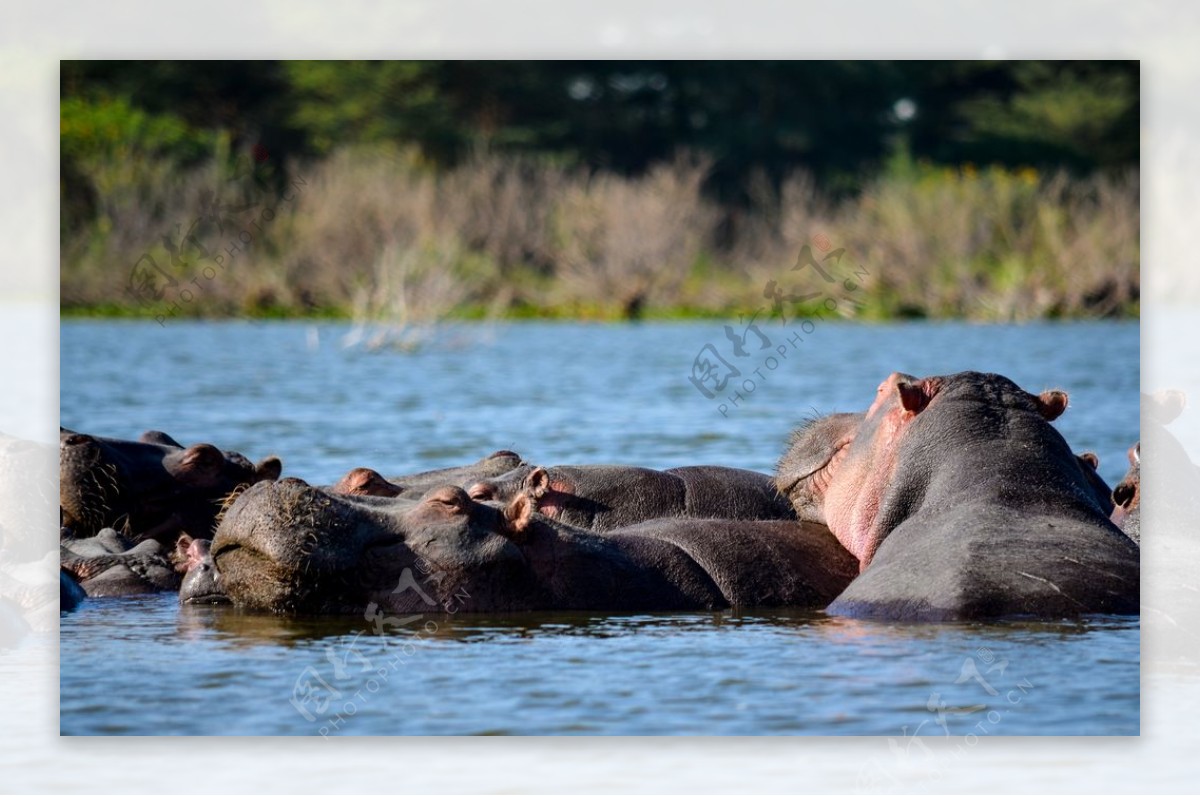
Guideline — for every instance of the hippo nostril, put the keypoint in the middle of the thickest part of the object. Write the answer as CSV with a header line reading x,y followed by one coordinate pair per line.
x,y
77,439
1124,494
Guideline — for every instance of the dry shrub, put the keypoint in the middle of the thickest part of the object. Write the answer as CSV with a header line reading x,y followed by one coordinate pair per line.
x,y
631,241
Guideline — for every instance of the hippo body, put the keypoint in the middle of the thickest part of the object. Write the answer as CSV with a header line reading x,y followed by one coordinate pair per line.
x,y
288,547
151,488
365,481
110,565
961,501
603,498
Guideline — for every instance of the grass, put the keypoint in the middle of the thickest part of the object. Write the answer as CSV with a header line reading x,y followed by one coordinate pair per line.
x,y
377,238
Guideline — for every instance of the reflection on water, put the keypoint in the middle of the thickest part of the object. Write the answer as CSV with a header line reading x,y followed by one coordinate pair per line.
x,y
753,672
558,394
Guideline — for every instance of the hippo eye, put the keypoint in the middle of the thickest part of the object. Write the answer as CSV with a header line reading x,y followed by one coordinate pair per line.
x,y
481,492
450,502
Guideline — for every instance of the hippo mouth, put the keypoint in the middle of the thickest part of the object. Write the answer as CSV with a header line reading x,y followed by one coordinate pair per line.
x,y
816,480
288,547
213,595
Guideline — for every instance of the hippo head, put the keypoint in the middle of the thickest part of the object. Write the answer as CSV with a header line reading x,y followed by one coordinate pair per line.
x,y
916,429
1127,496
201,581
149,488
813,458
365,481
532,481
289,547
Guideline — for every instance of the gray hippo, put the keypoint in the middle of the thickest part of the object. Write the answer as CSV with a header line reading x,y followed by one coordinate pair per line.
x,y
365,481
152,488
607,497
961,501
111,565
289,547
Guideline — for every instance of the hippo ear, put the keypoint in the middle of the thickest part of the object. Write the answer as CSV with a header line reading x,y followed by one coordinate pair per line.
x,y
1091,459
518,514
158,438
1051,404
916,395
268,469
537,483
200,463
182,544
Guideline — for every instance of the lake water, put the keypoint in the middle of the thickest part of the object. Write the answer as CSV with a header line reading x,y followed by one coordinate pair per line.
x,y
563,393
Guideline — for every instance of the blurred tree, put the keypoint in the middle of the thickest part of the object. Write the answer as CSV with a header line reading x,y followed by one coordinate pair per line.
x,y
1081,115
838,119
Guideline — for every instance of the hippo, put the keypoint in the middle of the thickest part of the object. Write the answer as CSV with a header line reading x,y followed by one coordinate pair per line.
x,y
608,497
111,565
1127,497
201,581
152,488
288,547
365,481
961,501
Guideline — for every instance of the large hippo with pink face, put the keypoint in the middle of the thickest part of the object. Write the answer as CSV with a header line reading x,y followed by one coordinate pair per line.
x,y
961,501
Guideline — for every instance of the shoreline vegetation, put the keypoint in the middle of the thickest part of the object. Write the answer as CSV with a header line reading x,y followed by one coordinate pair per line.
x,y
376,236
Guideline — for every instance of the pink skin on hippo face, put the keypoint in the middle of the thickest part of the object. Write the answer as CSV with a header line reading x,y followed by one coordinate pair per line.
x,y
854,498
1127,497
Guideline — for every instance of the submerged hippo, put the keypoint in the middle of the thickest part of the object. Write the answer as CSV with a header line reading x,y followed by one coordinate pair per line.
x,y
365,481
289,547
201,581
605,498
152,488
960,500
110,565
